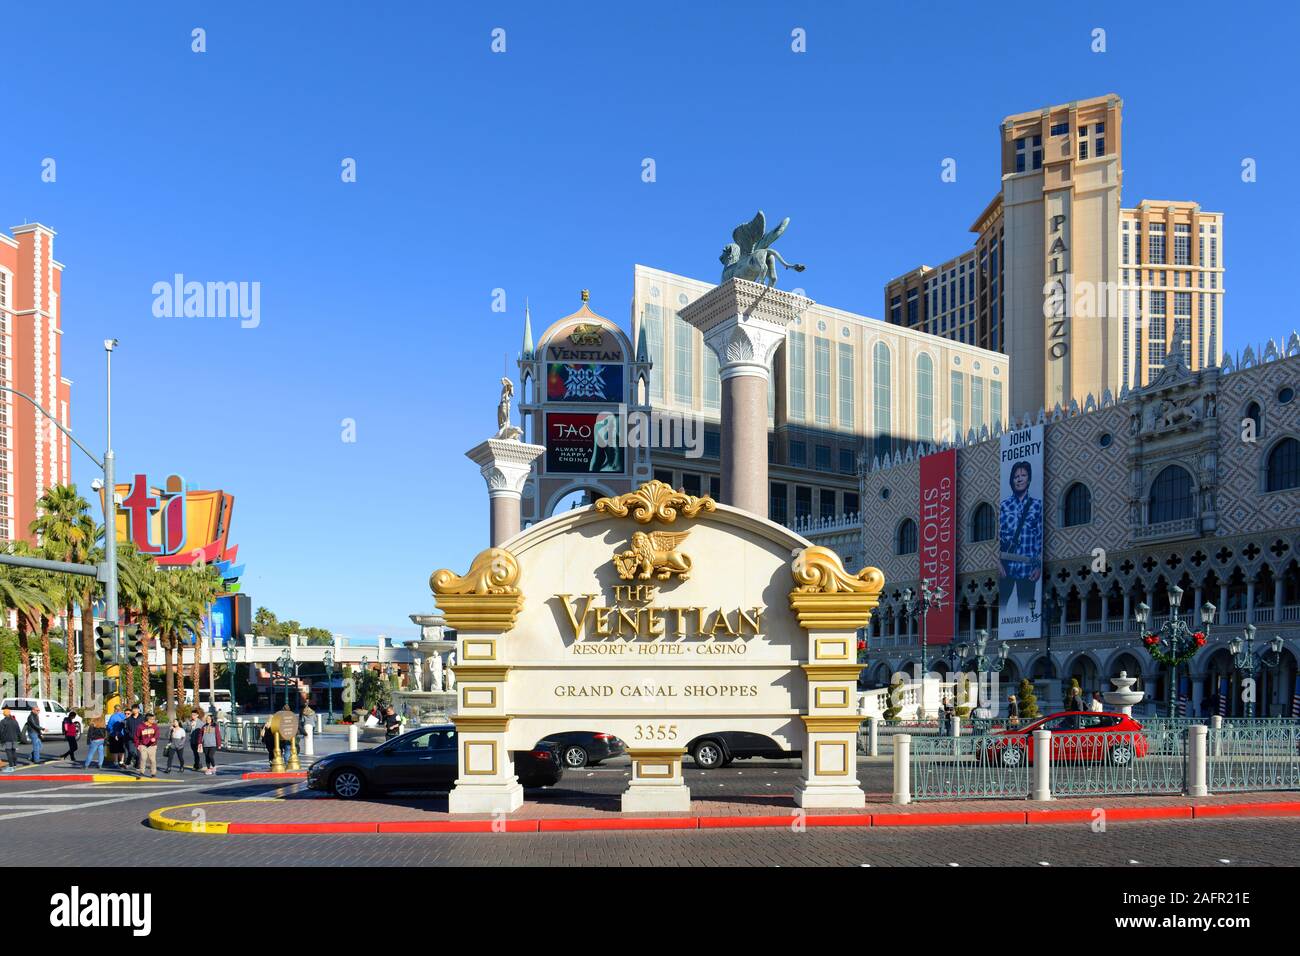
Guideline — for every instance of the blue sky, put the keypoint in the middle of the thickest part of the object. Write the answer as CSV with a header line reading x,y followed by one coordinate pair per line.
x,y
522,171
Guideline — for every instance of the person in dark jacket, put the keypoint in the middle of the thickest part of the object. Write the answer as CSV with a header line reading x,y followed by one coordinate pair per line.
x,y
1013,711
268,741
392,723
10,734
71,730
129,727
33,730
96,734
195,727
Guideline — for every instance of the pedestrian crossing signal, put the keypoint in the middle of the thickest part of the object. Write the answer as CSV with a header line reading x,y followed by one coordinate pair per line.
x,y
134,645
104,641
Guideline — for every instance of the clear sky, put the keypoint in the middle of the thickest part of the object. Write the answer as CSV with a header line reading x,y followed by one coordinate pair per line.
x,y
522,171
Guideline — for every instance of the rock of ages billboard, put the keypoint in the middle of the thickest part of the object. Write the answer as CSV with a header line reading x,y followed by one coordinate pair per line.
x,y
583,443
584,382
1020,534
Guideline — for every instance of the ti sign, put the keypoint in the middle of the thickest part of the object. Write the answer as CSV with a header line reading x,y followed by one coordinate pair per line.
x,y
176,525
141,505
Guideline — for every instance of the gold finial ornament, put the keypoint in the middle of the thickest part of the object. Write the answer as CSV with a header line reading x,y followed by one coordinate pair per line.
x,y
493,571
484,599
586,295
818,570
656,500
828,598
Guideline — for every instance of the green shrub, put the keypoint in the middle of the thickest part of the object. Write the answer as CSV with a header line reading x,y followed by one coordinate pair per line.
x,y
895,708
1028,700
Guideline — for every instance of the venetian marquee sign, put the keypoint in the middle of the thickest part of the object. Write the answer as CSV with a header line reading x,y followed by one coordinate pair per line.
x,y
656,616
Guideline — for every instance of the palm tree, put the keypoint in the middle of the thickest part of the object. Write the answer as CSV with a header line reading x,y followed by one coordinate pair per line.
x,y
167,616
203,586
66,532
135,578
22,591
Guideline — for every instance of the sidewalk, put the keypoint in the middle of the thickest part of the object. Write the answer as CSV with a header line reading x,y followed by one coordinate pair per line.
x,y
305,812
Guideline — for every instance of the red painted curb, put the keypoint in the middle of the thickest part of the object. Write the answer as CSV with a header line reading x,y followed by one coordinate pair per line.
x,y
276,775
66,777
632,823
283,828
1111,813
710,823
1248,810
460,826
957,819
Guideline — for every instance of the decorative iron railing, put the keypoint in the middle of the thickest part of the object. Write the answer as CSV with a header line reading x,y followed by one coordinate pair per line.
x,y
951,768
1258,756
1117,762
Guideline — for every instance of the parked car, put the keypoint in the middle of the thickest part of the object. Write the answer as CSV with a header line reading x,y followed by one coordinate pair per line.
x,y
578,748
1077,736
421,759
51,713
718,749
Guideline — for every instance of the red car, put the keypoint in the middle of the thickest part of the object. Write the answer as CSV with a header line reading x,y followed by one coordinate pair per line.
x,y
1077,736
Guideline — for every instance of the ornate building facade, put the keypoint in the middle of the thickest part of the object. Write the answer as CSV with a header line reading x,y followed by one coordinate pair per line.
x,y
1192,480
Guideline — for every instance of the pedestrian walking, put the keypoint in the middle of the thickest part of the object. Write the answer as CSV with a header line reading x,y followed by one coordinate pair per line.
x,y
33,730
211,741
195,728
129,726
392,723
176,740
10,734
1013,711
146,745
71,731
96,734
268,741
1096,705
113,734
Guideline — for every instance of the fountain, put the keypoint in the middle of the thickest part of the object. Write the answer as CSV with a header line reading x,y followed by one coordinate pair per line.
x,y
431,699
1123,696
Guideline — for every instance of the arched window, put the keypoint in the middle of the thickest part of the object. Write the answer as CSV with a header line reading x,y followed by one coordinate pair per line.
x,y
924,397
981,522
1172,497
1283,468
1077,508
907,537
881,398
1255,414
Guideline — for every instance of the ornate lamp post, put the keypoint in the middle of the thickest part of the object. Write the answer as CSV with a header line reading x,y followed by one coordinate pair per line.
x,y
328,661
1248,661
77,660
976,651
918,608
1176,643
37,662
232,658
288,668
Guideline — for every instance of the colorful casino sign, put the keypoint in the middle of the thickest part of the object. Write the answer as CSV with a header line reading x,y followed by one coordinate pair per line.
x,y
176,525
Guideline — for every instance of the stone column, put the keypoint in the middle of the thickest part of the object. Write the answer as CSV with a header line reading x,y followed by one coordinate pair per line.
x,y
1250,601
743,323
831,604
482,606
505,465
657,784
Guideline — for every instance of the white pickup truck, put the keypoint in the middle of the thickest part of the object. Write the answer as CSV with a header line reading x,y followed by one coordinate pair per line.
x,y
51,713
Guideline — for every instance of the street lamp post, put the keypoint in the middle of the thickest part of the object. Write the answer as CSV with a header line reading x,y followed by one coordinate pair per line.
x,y
328,661
1176,643
288,668
232,658
37,662
918,608
1248,661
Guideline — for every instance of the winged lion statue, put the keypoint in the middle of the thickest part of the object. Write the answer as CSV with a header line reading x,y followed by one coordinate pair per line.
x,y
750,256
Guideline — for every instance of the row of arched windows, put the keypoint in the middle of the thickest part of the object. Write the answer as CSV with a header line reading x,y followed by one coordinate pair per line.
x,y
1172,498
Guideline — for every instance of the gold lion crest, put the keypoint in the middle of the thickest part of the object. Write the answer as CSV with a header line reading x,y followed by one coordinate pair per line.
x,y
654,555
585,333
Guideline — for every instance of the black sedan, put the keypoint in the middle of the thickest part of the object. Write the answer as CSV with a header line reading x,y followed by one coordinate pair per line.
x,y
423,759
710,751
581,747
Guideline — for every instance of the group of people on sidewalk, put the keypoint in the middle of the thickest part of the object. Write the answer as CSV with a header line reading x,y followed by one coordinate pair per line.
x,y
131,739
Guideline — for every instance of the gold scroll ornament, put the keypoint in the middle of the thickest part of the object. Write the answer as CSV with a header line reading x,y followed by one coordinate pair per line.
x,y
828,598
484,599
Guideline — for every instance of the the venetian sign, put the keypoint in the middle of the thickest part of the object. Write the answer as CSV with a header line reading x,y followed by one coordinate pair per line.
x,y
658,617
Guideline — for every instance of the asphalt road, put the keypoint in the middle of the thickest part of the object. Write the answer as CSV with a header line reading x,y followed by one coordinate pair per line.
x,y
103,825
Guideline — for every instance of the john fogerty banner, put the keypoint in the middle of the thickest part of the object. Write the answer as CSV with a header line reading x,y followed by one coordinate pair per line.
x,y
938,539
1020,534
584,382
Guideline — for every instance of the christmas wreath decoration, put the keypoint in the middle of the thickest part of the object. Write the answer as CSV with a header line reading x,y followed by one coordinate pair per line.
x,y
1152,643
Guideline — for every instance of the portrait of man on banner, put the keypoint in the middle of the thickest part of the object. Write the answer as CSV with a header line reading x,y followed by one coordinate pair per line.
x,y
1020,535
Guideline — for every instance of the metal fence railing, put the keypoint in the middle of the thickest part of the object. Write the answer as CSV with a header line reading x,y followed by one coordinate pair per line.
x,y
242,736
1118,762
953,768
1260,756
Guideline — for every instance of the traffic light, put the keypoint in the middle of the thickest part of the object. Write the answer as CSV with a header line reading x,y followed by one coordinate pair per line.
x,y
134,645
105,652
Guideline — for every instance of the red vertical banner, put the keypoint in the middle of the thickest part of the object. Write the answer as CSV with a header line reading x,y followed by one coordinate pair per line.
x,y
937,549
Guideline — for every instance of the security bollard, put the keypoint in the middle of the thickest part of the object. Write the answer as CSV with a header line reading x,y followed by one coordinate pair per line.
x,y
873,737
309,744
1196,761
320,724
1217,723
903,768
352,736
1042,767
